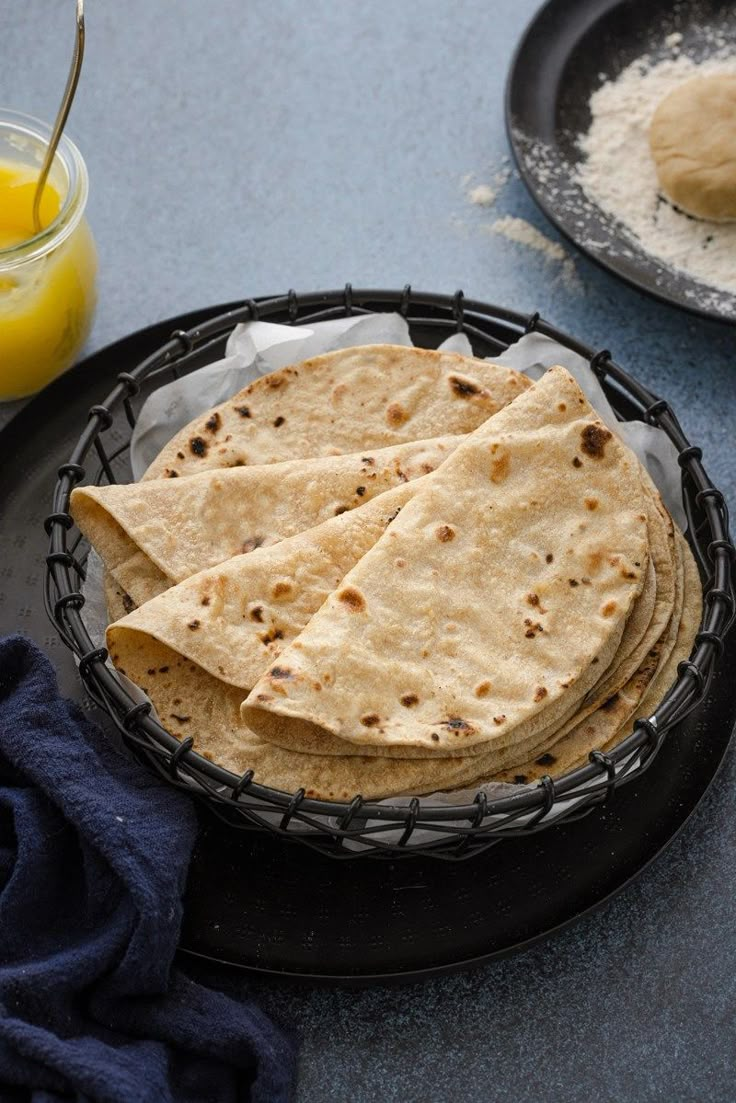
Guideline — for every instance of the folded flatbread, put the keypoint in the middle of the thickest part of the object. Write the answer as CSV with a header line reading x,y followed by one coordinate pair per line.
x,y
548,532
482,613
190,701
153,534
638,697
234,619
374,396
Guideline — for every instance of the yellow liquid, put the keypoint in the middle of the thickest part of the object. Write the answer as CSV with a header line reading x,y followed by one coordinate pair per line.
x,y
46,304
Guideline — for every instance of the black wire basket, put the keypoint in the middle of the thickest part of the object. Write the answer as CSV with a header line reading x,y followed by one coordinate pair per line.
x,y
399,828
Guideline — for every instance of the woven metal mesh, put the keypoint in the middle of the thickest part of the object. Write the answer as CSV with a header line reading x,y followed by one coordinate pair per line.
x,y
360,829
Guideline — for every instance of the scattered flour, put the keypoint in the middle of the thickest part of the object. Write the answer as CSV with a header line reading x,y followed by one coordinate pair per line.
x,y
523,233
483,195
502,176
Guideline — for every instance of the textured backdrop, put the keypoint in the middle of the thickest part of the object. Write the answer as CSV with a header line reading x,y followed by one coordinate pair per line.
x,y
240,149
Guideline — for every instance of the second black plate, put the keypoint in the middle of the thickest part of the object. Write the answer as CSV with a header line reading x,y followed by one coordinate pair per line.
x,y
563,57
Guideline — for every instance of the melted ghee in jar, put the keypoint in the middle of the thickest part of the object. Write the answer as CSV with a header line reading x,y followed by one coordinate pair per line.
x,y
46,304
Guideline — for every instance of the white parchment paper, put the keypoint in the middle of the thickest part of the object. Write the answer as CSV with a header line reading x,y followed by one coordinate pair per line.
x,y
256,348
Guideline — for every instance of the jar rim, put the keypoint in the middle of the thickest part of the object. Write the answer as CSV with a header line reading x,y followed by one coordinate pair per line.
x,y
72,208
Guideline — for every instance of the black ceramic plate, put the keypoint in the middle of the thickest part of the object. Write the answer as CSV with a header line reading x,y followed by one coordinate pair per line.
x,y
566,52
263,904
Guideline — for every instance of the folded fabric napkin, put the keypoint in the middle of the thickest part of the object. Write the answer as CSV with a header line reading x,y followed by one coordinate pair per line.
x,y
94,853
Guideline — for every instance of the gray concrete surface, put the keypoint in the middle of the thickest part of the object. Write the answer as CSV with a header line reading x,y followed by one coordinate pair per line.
x,y
239,149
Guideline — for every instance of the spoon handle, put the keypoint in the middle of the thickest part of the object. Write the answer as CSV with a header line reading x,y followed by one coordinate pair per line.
x,y
63,114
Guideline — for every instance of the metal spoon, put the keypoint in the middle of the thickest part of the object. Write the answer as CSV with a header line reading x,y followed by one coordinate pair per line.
x,y
62,116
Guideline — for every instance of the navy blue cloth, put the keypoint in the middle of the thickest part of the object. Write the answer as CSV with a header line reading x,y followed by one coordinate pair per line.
x,y
94,852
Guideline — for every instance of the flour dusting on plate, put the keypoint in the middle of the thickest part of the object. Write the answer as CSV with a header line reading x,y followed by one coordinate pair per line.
x,y
618,173
600,184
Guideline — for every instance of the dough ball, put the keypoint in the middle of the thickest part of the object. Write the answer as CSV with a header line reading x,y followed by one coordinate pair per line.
x,y
693,141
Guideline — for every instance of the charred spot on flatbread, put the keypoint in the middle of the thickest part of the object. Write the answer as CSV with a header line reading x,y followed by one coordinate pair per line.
x,y
594,439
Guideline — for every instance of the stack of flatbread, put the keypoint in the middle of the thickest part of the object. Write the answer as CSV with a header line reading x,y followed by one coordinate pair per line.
x,y
396,571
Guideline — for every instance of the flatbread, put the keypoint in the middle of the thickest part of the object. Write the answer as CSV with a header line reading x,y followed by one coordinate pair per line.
x,y
691,616
374,396
592,730
312,739
209,711
190,701
520,518
639,644
118,602
238,649
536,531
233,620
153,534
639,697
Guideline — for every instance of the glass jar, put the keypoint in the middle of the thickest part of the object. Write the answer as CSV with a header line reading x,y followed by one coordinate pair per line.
x,y
48,286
